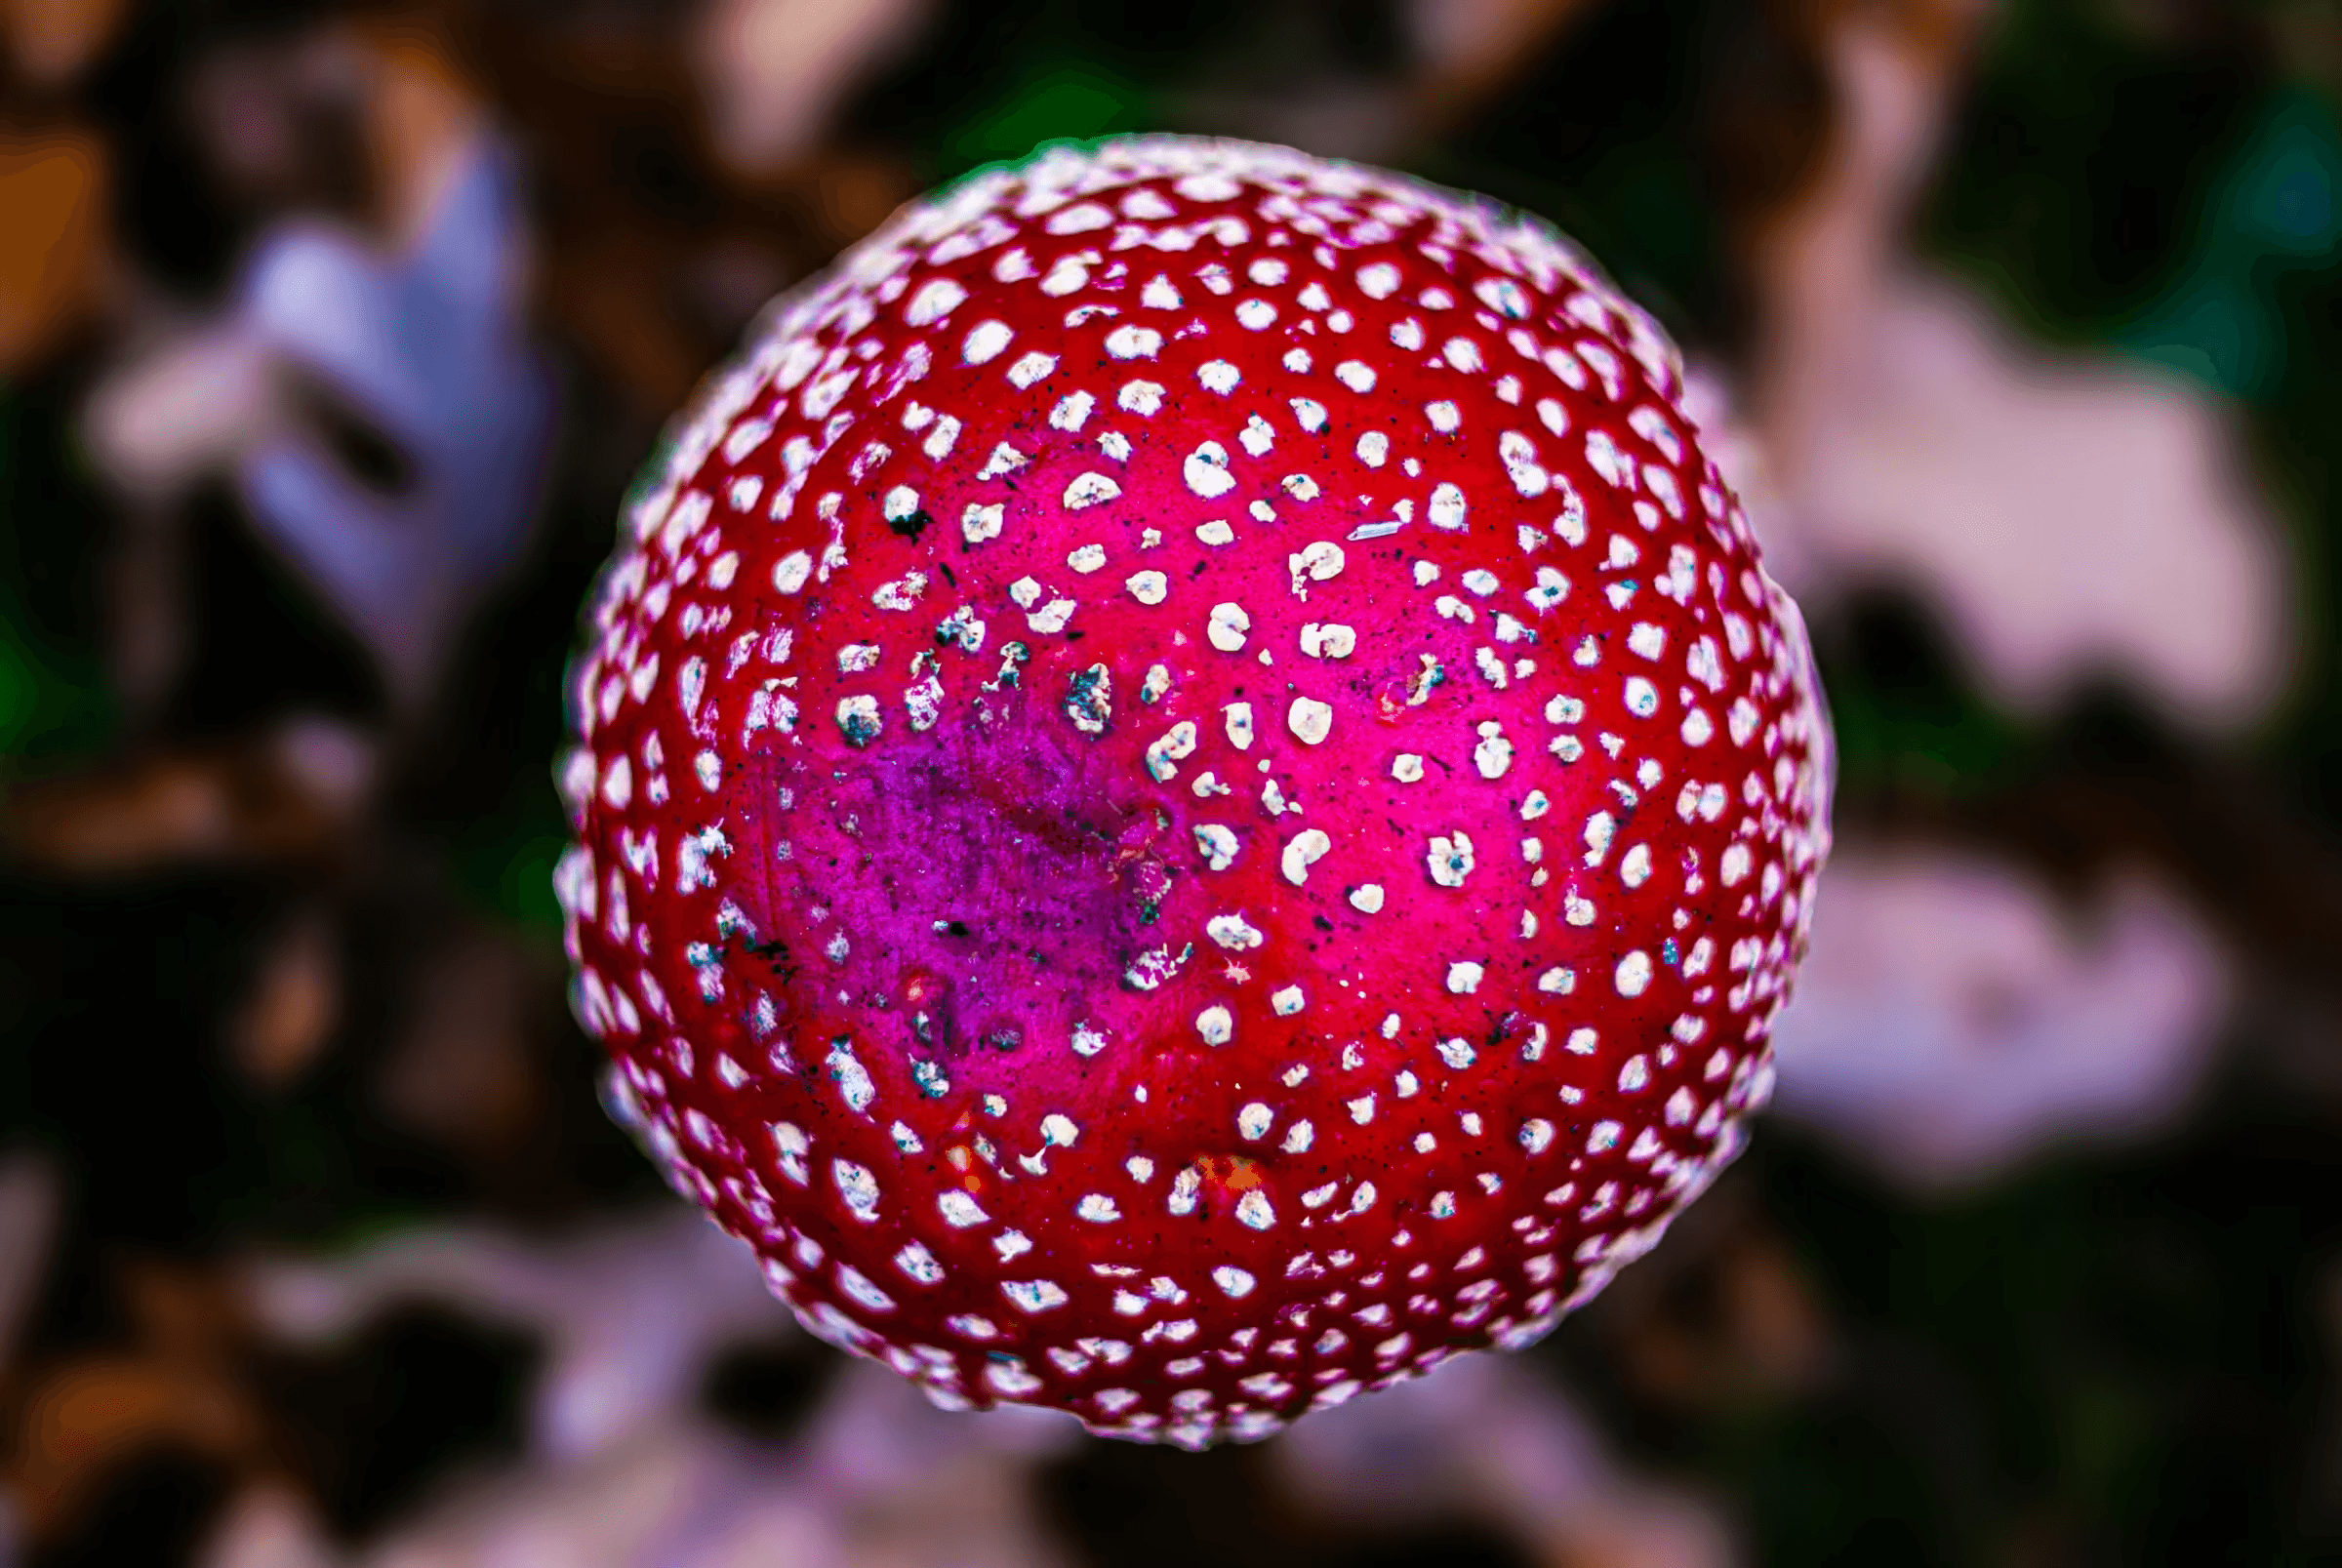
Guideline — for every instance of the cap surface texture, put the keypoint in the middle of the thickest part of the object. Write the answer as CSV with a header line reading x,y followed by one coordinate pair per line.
x,y
1188,794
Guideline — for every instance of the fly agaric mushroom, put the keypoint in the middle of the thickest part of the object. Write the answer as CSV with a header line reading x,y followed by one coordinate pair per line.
x,y
1188,794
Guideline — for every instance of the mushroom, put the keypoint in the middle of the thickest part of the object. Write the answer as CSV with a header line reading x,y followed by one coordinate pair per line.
x,y
1189,796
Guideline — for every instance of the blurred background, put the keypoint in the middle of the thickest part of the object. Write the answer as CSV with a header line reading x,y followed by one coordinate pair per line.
x,y
330,335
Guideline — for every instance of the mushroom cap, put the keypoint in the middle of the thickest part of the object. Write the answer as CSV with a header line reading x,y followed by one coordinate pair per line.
x,y
1188,794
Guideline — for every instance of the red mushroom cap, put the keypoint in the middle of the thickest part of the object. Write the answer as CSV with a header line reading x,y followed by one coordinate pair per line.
x,y
1188,794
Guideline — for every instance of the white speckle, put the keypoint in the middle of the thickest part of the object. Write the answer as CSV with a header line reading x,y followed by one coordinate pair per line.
x,y
1310,412
1159,294
1604,1137
902,593
791,572
1005,460
618,783
1450,859
1219,376
1097,1209
1091,490
1031,369
1140,397
1134,342
1219,845
1233,1282
1206,471
959,1210
1297,1137
1447,507
1309,720
1634,975
1647,639
1226,632
857,719
1215,1024
1256,316
1355,374
1519,454
936,299
984,342
1464,977
980,523
1558,980
1444,416
1254,1120
858,1186
1232,931
1494,755
1308,847
1378,281
1374,449
1330,640
1368,898
1033,1295
1051,617
1087,1041
1216,532
1600,830
1642,697
1319,561
1254,1211
1286,1002
1071,412
1079,220
1634,1075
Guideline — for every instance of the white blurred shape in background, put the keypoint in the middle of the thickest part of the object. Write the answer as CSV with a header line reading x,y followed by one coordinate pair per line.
x,y
29,1214
429,347
1488,1438
416,335
1953,1019
2072,516
775,72
630,1311
624,1468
